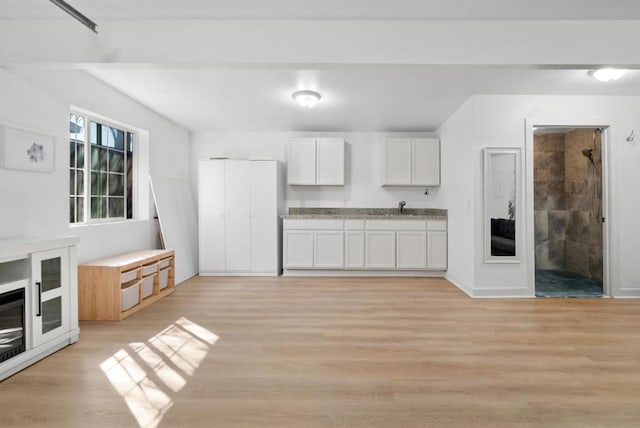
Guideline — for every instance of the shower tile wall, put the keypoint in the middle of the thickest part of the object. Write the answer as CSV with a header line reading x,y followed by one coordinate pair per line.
x,y
584,231
567,237
550,201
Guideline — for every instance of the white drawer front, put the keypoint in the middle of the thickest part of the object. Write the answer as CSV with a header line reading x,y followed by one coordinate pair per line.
x,y
313,224
396,225
354,224
440,225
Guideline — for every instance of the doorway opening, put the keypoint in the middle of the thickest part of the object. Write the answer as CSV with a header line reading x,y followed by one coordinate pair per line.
x,y
568,212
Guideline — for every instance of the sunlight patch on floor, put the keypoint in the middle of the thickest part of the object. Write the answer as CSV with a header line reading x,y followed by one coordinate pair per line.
x,y
148,373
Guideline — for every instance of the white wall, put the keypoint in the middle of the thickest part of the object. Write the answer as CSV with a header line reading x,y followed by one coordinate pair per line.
x,y
499,121
362,169
37,204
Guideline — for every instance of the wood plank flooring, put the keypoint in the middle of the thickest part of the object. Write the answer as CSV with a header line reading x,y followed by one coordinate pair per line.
x,y
343,352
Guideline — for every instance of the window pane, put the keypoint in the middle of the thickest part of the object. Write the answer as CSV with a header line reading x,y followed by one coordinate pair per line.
x,y
116,185
116,207
72,154
98,207
72,210
80,155
80,209
94,133
98,184
116,161
108,136
76,127
72,182
119,139
98,158
80,183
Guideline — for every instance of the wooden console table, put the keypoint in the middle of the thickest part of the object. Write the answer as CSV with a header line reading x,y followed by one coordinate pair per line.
x,y
114,288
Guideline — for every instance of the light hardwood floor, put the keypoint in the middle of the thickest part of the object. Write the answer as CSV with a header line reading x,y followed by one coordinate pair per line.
x,y
320,352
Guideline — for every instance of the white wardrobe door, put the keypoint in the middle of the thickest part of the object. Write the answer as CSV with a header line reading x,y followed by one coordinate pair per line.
x,y
238,215
211,215
264,217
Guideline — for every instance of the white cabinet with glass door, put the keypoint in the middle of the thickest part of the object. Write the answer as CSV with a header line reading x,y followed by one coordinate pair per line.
x,y
50,291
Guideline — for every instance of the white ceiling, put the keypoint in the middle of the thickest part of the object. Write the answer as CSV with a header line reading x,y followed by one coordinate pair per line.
x,y
381,98
328,9
357,98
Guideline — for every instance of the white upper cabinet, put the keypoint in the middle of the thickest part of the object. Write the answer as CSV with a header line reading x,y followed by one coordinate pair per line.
x,y
411,162
316,162
301,165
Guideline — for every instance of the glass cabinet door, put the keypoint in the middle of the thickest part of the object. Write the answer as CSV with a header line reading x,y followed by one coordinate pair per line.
x,y
50,308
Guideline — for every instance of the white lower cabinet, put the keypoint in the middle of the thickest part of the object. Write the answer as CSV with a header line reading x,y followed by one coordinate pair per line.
x,y
298,249
411,249
355,244
328,248
437,250
50,276
38,300
380,249
354,249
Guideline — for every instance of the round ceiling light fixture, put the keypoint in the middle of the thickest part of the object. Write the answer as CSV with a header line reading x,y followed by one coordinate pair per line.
x,y
608,74
306,98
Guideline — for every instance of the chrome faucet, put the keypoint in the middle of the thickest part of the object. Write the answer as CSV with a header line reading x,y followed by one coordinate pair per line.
x,y
401,205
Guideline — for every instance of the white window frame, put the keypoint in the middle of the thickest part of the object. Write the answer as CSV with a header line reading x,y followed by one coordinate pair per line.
x,y
89,117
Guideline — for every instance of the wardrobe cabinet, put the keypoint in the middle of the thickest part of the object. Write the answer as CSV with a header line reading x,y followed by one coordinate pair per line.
x,y
315,162
411,162
238,207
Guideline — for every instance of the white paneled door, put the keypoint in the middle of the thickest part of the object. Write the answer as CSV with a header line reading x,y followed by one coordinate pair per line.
x,y
238,215
212,216
264,225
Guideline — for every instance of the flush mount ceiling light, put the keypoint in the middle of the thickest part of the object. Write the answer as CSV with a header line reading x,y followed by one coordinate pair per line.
x,y
306,98
608,74
76,14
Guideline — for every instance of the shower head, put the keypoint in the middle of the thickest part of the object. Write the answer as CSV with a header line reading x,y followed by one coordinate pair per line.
x,y
588,153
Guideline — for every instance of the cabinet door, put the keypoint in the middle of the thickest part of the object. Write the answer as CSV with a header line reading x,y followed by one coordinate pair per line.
x,y
301,164
264,217
330,161
396,160
425,169
411,249
354,249
298,249
328,249
437,250
380,249
238,215
50,294
211,215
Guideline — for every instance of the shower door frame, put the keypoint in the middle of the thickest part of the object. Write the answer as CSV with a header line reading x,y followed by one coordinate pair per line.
x,y
605,136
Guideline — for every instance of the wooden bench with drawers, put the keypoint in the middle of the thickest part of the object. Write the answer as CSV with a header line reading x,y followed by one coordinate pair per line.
x,y
114,288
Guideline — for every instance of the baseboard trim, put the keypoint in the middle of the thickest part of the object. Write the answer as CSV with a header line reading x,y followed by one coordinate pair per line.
x,y
366,273
462,286
238,274
503,293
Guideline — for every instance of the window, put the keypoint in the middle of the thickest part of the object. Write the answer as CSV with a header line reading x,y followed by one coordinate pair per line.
x,y
101,170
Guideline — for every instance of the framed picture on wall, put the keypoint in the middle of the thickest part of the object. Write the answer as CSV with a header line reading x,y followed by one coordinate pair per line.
x,y
26,150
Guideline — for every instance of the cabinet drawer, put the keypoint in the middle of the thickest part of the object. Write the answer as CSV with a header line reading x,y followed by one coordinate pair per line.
x,y
149,269
396,225
130,295
164,263
354,224
439,225
313,224
129,275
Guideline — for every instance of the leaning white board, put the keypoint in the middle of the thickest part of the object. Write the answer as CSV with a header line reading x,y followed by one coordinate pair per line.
x,y
178,222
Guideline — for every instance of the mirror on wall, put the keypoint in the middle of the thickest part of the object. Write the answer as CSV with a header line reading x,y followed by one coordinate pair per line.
x,y
502,213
